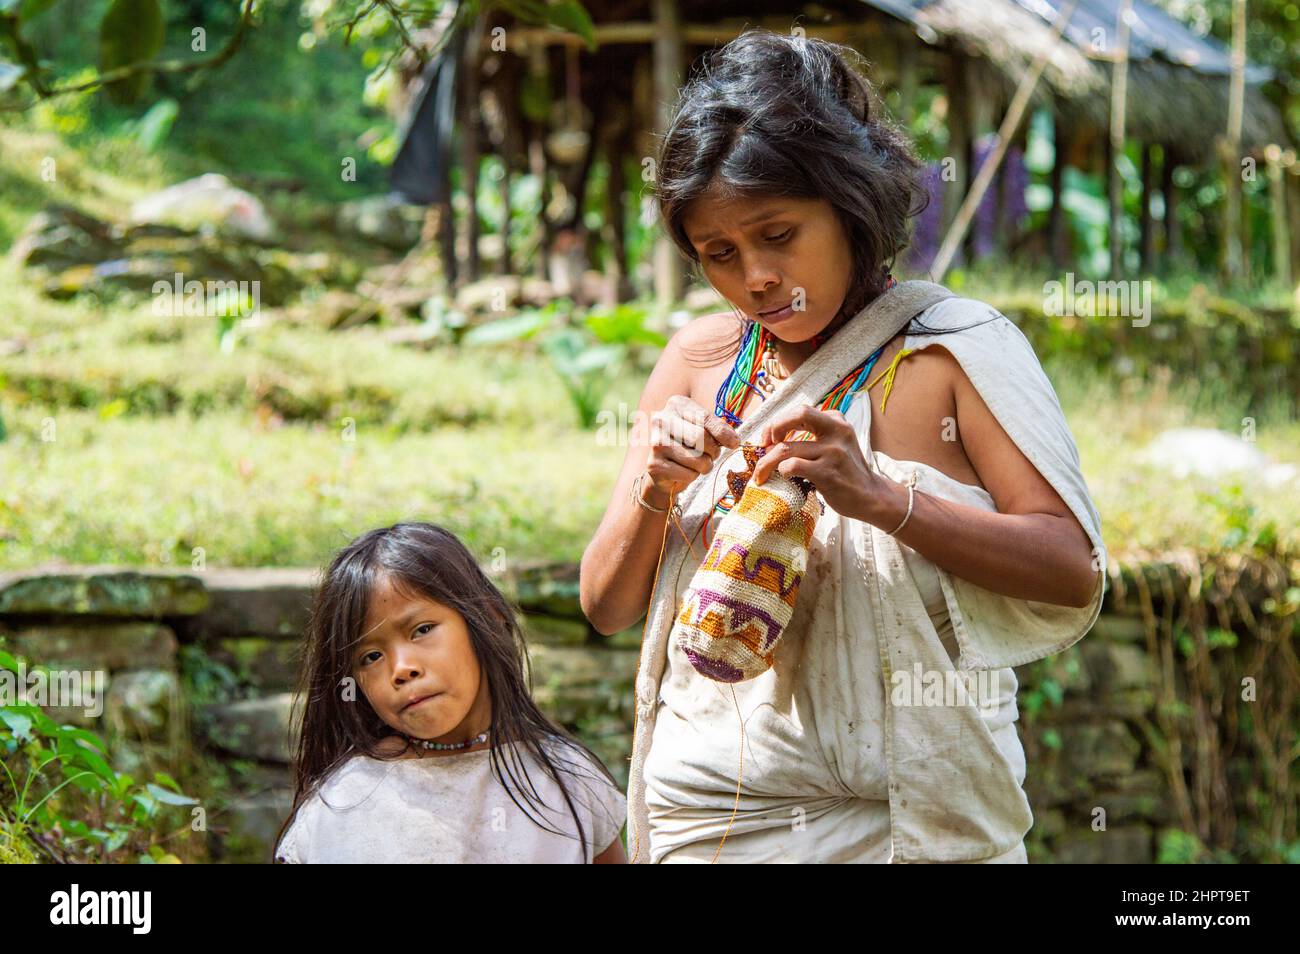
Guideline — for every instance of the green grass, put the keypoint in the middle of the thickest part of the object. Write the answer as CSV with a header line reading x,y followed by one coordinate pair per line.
x,y
1143,508
149,490
146,488
83,357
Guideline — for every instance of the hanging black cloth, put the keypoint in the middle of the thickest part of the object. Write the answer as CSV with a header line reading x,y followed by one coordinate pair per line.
x,y
421,173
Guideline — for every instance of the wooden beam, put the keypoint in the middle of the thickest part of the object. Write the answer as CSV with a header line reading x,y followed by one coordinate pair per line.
x,y
696,34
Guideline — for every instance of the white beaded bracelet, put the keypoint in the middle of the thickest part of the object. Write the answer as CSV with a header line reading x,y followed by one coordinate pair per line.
x,y
911,497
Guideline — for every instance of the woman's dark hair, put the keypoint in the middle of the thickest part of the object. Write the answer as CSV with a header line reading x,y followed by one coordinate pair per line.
x,y
420,559
770,114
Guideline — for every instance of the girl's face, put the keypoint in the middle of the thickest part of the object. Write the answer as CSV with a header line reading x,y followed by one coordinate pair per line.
x,y
765,253
417,667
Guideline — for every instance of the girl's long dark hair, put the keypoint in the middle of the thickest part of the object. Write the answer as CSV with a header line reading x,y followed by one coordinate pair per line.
x,y
770,114
426,560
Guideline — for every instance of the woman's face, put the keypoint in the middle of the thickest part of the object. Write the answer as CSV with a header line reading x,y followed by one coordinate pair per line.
x,y
417,667
764,253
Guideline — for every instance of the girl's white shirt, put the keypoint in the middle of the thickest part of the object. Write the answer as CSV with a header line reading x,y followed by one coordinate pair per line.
x,y
451,809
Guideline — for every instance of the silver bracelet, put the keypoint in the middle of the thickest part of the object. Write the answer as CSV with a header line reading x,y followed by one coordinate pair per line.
x,y
911,497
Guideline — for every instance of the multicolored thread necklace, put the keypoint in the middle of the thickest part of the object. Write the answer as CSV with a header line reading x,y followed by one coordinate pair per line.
x,y
752,373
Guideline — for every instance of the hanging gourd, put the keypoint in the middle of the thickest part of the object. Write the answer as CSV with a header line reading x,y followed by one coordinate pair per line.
x,y
567,144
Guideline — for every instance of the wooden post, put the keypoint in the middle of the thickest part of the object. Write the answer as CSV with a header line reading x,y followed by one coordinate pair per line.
x,y
1056,221
1230,147
1146,231
1291,165
471,66
669,54
1173,235
980,118
505,266
907,86
539,166
1273,155
958,161
615,220
1118,106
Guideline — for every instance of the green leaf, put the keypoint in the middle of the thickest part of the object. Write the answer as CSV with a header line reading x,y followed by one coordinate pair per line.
x,y
31,9
131,32
624,325
530,11
156,124
516,328
572,16
19,725
84,735
168,797
86,758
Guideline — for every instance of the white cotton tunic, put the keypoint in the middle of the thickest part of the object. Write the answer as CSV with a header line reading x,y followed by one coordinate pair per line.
x,y
450,809
836,768
815,781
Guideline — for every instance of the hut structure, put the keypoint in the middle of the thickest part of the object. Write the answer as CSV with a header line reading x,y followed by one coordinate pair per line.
x,y
547,104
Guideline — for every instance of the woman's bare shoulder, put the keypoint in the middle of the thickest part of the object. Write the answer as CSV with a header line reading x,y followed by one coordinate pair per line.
x,y
715,331
695,358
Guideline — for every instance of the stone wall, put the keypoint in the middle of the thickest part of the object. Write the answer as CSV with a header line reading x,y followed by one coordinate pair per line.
x,y
201,669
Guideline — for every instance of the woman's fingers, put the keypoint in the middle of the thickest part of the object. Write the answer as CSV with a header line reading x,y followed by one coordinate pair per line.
x,y
688,457
821,424
721,432
692,436
786,450
671,474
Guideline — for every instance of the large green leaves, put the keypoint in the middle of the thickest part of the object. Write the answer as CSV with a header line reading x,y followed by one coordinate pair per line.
x,y
131,32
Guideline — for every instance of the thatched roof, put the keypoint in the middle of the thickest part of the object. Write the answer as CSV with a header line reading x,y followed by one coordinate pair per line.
x,y
1177,81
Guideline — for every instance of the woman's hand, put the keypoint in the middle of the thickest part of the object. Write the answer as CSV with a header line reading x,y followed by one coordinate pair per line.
x,y
833,461
685,440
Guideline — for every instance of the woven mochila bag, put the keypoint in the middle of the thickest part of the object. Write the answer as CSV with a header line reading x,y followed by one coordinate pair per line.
x,y
743,594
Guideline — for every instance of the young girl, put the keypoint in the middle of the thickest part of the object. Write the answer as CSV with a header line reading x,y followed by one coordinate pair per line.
x,y
420,741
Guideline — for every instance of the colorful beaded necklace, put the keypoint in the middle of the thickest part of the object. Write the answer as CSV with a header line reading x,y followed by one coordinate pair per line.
x,y
748,374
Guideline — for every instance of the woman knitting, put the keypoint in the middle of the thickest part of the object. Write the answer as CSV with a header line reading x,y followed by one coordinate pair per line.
x,y
957,535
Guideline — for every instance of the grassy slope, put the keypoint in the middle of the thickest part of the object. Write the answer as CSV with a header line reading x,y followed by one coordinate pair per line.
x,y
161,443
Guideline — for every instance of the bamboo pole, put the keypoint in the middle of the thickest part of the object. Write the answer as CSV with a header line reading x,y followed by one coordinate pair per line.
x,y
1230,147
1010,122
1276,160
1118,120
